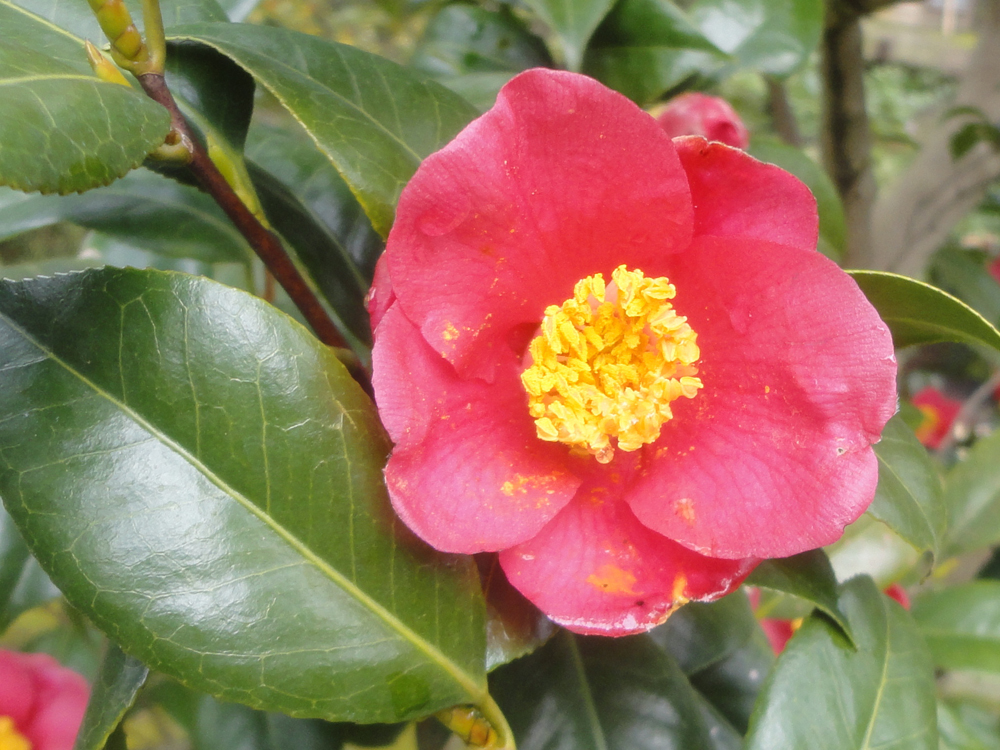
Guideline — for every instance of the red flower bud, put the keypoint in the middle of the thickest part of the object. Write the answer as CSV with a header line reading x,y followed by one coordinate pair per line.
x,y
708,116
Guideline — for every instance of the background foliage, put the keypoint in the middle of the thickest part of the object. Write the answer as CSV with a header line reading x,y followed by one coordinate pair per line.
x,y
169,430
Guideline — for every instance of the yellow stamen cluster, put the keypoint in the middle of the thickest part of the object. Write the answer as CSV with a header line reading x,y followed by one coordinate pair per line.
x,y
10,738
608,362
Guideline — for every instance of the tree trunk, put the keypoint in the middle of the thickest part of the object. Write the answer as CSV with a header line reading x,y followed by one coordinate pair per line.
x,y
916,214
846,137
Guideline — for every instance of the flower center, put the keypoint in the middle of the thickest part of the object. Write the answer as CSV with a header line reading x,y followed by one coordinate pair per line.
x,y
10,738
608,362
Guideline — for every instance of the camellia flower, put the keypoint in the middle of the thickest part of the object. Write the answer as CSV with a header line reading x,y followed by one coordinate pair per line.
x,y
618,359
939,412
41,702
700,114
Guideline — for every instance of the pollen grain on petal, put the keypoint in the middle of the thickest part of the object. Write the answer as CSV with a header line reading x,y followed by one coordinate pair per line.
x,y
608,362
612,579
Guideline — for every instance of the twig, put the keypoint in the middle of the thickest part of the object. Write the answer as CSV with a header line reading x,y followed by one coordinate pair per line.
x,y
264,243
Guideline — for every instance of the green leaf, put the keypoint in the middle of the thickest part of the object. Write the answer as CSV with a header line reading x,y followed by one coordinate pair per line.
x,y
809,576
698,635
79,20
964,274
213,89
964,725
203,480
961,625
918,313
23,585
62,128
824,695
373,119
647,47
594,693
474,51
143,209
514,626
870,547
724,653
573,22
771,36
294,159
972,499
909,498
324,257
464,39
116,689
832,225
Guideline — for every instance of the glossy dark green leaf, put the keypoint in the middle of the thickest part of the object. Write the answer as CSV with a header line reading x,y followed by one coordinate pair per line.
x,y
373,119
62,128
23,584
972,499
295,160
772,36
909,498
647,47
825,695
832,225
594,693
721,734
918,313
808,576
117,686
474,51
698,635
203,479
78,19
961,625
462,39
573,22
724,653
964,274
143,209
213,89
324,257
514,626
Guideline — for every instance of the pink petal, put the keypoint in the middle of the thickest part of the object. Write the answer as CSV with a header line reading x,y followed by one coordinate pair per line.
x,y
562,179
596,570
18,695
468,473
63,695
773,456
381,296
737,196
45,700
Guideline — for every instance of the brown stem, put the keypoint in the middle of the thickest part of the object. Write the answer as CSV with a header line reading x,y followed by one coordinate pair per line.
x,y
782,115
264,243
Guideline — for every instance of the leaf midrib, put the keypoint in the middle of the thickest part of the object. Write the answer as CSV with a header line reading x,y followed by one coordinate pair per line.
x,y
476,692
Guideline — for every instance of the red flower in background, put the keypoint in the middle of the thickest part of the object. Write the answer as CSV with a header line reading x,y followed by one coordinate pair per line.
x,y
41,702
618,359
708,116
939,412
